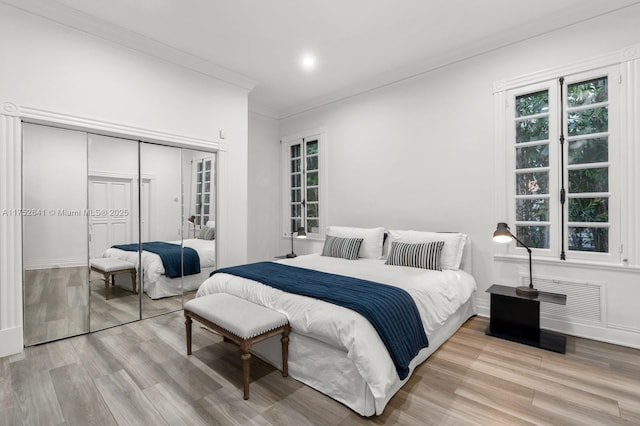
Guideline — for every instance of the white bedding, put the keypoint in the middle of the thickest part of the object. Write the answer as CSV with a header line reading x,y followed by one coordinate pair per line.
x,y
156,284
438,295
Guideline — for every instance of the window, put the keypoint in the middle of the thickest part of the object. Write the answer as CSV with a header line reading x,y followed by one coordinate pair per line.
x,y
204,175
563,156
303,179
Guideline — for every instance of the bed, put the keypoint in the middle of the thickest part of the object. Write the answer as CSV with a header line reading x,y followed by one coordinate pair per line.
x,y
156,283
336,350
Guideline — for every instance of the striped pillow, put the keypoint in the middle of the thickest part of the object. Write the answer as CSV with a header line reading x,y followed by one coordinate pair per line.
x,y
346,248
419,255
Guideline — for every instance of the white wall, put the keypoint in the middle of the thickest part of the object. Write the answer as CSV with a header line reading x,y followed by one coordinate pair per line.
x,y
264,189
420,155
50,70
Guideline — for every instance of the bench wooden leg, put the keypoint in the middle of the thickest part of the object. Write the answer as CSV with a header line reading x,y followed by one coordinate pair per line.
x,y
285,351
246,371
107,282
133,280
187,323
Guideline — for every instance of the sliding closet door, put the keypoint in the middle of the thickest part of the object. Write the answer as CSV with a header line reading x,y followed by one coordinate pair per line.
x,y
54,227
160,169
199,209
113,216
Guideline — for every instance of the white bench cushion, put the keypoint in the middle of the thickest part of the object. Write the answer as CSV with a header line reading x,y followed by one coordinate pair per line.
x,y
109,264
238,316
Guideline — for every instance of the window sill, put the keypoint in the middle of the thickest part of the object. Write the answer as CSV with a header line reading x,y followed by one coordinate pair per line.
x,y
616,267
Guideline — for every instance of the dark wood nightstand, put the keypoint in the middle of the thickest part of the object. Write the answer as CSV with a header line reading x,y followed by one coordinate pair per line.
x,y
517,318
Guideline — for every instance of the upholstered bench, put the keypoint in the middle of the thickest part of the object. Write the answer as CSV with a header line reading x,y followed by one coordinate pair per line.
x,y
109,267
241,322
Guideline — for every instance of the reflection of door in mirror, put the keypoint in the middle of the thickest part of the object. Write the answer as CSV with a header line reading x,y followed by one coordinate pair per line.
x,y
54,227
113,219
199,203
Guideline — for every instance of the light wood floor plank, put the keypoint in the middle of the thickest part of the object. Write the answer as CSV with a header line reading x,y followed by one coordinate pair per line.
x,y
125,400
141,374
82,404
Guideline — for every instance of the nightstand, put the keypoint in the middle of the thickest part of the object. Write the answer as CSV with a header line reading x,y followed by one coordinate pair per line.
x,y
517,318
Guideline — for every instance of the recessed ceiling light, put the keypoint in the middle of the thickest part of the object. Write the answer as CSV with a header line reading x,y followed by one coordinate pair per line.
x,y
308,62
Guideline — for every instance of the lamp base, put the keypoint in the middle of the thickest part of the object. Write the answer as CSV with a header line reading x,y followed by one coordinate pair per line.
x,y
291,255
526,291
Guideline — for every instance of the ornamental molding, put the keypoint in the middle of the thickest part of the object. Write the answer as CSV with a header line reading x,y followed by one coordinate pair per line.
x,y
621,56
75,122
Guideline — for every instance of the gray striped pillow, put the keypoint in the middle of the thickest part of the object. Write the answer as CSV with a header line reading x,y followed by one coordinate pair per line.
x,y
346,248
419,255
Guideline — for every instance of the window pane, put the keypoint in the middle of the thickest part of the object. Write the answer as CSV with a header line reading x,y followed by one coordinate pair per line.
x,y
296,195
312,147
535,129
207,165
587,121
199,167
532,156
589,180
296,210
295,165
312,163
313,226
207,198
533,103
206,209
589,151
199,188
207,176
532,210
312,179
296,180
588,209
207,187
533,236
295,151
587,92
589,239
312,194
532,183
297,223
312,210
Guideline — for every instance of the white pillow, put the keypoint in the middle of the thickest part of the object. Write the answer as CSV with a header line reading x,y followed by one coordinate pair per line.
x,y
453,244
371,247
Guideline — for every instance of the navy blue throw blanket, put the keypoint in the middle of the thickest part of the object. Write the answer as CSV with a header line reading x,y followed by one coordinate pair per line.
x,y
171,256
390,310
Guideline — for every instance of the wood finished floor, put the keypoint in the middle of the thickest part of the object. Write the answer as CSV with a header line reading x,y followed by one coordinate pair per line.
x,y
139,373
57,304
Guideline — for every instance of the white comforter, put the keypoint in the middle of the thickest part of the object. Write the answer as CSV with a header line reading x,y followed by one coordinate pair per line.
x,y
152,264
437,295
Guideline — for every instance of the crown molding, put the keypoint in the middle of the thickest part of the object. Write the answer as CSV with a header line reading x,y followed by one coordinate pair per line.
x,y
80,21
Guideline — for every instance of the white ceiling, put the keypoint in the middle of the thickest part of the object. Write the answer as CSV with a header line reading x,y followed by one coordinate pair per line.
x,y
359,44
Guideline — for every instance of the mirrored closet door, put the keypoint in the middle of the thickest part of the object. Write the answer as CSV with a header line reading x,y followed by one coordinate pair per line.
x,y
121,230
54,233
199,209
114,221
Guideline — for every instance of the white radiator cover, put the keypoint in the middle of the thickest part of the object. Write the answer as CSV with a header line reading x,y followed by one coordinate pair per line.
x,y
585,299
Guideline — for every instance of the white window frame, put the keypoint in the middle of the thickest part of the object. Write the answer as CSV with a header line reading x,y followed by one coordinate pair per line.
x,y
286,142
198,199
624,76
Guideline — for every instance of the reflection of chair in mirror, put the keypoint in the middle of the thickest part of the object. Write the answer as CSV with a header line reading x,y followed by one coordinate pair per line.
x,y
109,267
